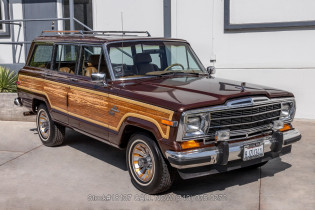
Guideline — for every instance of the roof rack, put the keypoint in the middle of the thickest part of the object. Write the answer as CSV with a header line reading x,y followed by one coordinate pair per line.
x,y
105,33
63,32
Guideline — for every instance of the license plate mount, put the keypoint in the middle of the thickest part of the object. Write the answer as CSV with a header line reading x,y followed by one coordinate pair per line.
x,y
253,151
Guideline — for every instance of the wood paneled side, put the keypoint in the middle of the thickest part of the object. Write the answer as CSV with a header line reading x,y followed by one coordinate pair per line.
x,y
130,109
94,106
55,92
88,105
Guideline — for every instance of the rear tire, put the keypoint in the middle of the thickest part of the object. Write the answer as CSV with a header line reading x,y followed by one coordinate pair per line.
x,y
147,168
50,133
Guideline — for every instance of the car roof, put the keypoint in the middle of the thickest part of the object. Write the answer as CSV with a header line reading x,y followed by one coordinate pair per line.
x,y
92,38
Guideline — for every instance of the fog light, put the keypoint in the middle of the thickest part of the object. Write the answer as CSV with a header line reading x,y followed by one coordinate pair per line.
x,y
222,135
277,125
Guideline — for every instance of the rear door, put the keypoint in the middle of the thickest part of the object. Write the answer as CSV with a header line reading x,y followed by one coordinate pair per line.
x,y
62,73
88,100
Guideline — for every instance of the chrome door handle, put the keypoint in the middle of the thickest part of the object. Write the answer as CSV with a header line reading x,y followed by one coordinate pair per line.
x,y
48,74
73,79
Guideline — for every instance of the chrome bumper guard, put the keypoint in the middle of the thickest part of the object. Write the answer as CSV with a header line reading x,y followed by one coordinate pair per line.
x,y
224,152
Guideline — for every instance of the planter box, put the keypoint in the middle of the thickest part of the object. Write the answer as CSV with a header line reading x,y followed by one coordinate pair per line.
x,y
11,112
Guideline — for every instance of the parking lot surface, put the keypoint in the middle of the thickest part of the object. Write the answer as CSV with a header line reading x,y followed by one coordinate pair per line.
x,y
84,173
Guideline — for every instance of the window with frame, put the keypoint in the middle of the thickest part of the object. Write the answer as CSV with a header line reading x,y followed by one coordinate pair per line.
x,y
66,58
92,61
41,57
4,11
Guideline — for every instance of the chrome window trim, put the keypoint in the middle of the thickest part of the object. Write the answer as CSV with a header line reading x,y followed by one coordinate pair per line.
x,y
230,104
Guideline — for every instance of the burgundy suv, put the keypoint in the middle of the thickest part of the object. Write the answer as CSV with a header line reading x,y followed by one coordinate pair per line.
x,y
153,98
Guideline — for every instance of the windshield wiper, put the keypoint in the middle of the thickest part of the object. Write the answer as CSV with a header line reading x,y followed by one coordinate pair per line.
x,y
163,73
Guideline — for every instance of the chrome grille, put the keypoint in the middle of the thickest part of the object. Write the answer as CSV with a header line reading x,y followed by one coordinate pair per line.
x,y
244,122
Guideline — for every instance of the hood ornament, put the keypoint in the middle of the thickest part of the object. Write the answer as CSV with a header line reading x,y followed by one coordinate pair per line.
x,y
243,85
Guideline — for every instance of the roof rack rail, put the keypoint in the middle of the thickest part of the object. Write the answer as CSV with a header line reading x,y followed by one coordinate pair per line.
x,y
63,32
107,33
118,32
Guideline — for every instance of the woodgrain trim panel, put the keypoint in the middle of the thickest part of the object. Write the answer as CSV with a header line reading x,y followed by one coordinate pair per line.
x,y
127,107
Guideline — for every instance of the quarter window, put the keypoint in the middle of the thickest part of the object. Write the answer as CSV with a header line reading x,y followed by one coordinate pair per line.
x,y
41,57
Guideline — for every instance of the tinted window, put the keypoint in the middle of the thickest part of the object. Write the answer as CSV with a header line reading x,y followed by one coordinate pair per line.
x,y
66,58
42,56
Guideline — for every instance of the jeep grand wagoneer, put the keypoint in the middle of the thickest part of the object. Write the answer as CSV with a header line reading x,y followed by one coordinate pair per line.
x,y
154,98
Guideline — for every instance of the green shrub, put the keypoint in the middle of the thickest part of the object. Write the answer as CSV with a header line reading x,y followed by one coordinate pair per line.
x,y
7,80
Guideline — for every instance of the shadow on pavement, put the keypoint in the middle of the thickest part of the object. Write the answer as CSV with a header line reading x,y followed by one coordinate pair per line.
x,y
191,187
219,182
95,148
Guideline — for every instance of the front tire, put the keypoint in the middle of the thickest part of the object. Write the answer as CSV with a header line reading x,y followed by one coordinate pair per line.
x,y
147,168
50,133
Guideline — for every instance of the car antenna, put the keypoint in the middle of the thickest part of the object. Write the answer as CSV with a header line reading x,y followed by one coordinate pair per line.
x,y
122,43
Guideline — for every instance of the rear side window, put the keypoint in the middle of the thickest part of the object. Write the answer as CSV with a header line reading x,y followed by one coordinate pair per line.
x,y
66,58
41,57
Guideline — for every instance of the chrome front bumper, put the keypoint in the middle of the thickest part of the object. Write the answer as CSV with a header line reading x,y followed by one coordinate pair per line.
x,y
225,153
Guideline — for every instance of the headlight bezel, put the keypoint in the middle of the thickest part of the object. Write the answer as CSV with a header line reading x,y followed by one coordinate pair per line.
x,y
287,115
201,131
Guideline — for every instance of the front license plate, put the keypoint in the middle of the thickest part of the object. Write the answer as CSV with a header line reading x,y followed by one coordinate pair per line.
x,y
253,151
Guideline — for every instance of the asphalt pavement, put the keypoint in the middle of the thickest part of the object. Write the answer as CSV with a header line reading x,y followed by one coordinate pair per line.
x,y
84,173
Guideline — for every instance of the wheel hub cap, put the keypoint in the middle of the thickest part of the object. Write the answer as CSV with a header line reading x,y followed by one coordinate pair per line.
x,y
44,125
142,163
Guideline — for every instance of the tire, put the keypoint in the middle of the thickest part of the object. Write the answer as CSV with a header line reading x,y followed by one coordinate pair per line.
x,y
152,180
50,133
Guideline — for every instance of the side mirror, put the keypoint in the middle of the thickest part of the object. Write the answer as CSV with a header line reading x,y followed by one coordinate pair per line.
x,y
99,77
211,70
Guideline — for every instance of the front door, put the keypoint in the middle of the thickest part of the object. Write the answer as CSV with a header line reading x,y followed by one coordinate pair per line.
x,y
88,100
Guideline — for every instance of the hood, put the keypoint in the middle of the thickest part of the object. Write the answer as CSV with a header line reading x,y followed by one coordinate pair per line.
x,y
190,92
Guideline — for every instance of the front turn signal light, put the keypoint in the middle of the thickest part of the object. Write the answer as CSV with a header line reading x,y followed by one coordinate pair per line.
x,y
286,127
189,144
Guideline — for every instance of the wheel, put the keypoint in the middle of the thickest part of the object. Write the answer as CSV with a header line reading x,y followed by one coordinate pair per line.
x,y
147,168
50,133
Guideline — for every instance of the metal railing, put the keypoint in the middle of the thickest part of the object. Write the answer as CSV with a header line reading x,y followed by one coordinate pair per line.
x,y
20,22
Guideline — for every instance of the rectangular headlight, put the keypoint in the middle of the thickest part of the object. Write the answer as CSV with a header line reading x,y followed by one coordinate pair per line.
x,y
195,125
287,111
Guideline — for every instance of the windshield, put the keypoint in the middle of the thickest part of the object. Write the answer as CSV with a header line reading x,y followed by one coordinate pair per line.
x,y
139,59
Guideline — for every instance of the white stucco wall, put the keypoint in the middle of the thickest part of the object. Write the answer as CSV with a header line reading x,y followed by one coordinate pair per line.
x,y
6,55
281,59
140,15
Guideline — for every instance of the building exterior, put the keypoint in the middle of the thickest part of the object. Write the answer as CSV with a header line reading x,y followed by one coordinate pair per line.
x,y
269,42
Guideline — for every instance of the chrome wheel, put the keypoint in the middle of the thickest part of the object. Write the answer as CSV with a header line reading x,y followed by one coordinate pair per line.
x,y
142,162
43,124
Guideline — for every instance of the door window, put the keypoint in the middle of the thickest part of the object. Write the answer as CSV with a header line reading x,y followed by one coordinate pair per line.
x,y
92,61
66,58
